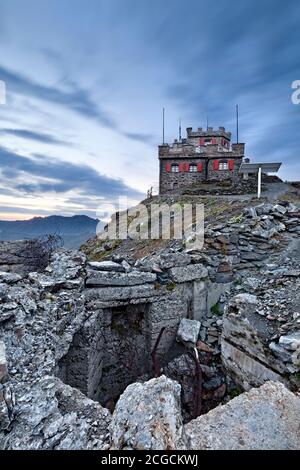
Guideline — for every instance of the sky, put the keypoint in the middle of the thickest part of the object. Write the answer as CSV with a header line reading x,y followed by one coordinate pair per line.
x,y
86,81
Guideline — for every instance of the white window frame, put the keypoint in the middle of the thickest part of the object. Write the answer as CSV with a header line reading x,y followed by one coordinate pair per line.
x,y
193,168
174,168
223,166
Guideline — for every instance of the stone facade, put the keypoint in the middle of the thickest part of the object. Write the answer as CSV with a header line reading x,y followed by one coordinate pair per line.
x,y
202,156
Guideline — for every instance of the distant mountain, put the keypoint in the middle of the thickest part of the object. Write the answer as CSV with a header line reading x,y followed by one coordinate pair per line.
x,y
73,230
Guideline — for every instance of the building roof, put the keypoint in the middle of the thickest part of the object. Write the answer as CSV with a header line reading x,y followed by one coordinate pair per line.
x,y
254,167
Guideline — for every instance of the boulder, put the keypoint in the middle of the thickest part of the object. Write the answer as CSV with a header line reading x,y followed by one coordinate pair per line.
x,y
148,417
266,418
188,331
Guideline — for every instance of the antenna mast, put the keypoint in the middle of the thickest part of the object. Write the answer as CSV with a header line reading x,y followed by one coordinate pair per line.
x,y
163,126
237,123
179,128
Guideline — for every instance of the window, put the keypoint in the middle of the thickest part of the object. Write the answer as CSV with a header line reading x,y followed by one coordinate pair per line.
x,y
207,141
175,168
193,168
223,165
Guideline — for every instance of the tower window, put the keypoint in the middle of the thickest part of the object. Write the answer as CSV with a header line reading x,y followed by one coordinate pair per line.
x,y
223,166
175,168
193,169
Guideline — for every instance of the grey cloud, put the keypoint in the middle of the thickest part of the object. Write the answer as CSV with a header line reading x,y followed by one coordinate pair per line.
x,y
77,100
37,136
62,176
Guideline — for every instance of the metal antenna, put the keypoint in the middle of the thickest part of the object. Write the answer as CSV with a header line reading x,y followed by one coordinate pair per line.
x,y
237,123
163,126
207,123
179,128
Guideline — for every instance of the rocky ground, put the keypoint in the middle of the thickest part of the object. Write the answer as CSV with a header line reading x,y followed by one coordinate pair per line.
x,y
250,336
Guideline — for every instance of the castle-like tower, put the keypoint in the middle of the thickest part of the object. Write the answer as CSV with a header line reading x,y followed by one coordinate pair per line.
x,y
203,155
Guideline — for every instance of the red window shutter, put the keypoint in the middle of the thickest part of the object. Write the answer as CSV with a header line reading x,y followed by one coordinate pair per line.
x,y
187,167
231,164
200,167
168,167
181,167
202,141
213,141
216,165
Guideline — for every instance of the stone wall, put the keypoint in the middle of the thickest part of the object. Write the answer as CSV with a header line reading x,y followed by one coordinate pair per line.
x,y
170,181
224,174
113,348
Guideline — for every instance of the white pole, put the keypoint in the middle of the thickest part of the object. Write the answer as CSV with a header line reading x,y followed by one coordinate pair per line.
x,y
259,183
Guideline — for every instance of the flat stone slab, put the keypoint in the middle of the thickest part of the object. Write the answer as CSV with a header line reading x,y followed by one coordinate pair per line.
x,y
266,418
106,266
188,273
171,260
246,370
104,294
9,278
134,278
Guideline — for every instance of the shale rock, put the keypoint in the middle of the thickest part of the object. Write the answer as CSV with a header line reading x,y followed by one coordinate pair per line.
x,y
57,417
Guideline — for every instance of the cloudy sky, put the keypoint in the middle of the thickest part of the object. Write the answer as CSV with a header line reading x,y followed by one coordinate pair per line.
x,y
87,79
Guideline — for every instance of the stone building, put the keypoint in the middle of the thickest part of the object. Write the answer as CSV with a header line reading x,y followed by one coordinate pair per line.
x,y
203,155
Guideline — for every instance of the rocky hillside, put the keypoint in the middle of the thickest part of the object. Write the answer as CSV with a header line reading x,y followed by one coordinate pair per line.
x,y
133,345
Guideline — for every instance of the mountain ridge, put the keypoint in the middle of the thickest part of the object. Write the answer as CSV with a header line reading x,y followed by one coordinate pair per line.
x,y
74,230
